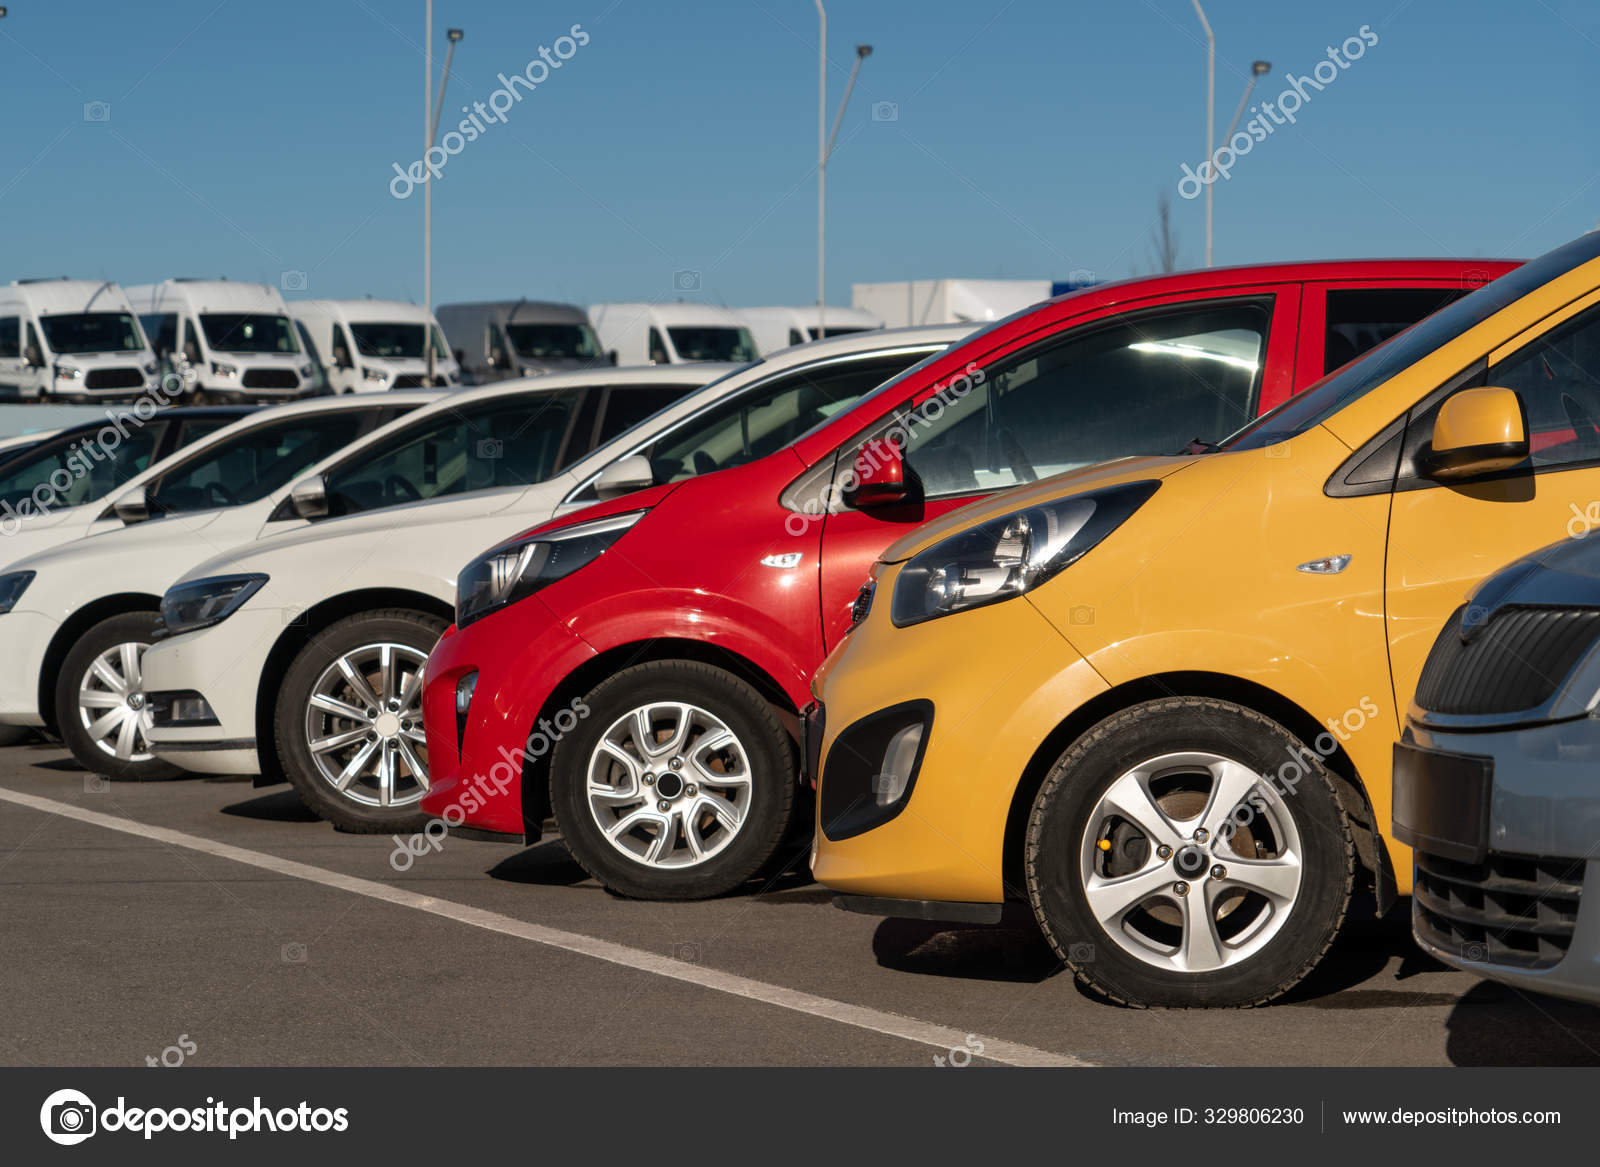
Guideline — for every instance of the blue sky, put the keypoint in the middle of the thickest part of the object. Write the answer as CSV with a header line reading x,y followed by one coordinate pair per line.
x,y
248,138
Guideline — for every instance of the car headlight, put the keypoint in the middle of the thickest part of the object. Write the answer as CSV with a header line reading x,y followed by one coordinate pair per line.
x,y
201,603
306,371
1010,555
517,570
12,585
373,375
67,373
224,369
152,368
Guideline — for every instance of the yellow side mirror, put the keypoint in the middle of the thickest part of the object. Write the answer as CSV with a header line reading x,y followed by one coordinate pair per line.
x,y
1477,431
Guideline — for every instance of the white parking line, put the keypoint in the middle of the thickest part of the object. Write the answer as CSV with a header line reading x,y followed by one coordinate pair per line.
x,y
890,1024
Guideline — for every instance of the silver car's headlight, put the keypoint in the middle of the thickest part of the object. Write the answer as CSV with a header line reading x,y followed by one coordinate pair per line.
x,y
188,607
1010,555
12,585
516,570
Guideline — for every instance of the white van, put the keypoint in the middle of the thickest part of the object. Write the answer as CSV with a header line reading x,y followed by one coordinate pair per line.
x,y
781,326
672,334
72,339
365,346
236,338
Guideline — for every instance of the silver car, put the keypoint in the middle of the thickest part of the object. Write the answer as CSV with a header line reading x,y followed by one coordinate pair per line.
x,y
1497,778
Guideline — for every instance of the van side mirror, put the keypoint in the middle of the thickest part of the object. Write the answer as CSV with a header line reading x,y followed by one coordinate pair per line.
x,y
880,476
191,352
624,477
613,355
132,506
341,357
33,356
1475,432
309,497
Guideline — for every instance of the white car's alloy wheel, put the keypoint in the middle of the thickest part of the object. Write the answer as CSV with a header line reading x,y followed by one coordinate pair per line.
x,y
363,726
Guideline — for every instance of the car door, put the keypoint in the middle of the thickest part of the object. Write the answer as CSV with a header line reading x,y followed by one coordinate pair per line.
x,y
1444,538
12,367
1126,381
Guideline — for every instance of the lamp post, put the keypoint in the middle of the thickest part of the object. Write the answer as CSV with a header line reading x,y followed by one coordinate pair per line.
x,y
1257,69
430,130
1211,125
825,142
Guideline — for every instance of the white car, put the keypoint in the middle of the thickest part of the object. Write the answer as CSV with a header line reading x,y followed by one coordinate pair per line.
x,y
302,655
76,620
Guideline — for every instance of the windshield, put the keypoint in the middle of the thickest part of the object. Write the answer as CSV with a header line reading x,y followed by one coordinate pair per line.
x,y
91,332
248,332
554,341
388,341
713,343
1355,380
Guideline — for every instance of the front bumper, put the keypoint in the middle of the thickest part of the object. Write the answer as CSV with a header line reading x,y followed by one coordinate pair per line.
x,y
1524,909
223,664
999,679
520,655
27,637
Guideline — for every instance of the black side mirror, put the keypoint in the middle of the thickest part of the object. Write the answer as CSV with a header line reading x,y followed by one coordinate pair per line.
x,y
33,356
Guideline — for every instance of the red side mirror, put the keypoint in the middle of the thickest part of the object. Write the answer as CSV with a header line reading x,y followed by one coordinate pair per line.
x,y
880,476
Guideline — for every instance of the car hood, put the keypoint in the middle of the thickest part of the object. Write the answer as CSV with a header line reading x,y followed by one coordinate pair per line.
x,y
639,500
1045,490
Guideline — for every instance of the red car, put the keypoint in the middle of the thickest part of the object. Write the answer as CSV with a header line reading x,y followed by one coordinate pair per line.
x,y
638,668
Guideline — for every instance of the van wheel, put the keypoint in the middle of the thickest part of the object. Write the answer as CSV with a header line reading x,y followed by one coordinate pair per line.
x,y
100,706
1189,852
677,783
349,721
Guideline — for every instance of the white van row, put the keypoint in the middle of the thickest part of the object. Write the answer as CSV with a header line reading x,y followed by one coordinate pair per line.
x,y
223,340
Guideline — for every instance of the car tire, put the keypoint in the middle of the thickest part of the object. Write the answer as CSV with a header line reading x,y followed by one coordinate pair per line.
x,y
99,700
1168,774
319,700
720,734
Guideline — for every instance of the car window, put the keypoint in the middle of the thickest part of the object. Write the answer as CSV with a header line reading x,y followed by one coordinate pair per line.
x,y
252,464
192,429
768,416
1143,385
162,330
658,349
505,441
1558,378
1359,319
713,343
10,336
627,405
80,467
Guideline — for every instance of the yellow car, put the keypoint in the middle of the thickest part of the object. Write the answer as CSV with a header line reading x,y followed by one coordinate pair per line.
x,y
1156,699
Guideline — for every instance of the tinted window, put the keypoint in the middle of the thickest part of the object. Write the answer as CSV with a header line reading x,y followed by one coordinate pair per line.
x,y
248,332
658,349
192,429
10,336
1147,385
713,343
162,330
554,341
1363,318
511,441
1558,378
252,464
91,332
81,467
626,407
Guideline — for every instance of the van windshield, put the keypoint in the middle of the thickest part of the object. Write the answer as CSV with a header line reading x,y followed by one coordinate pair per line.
x,y
395,341
713,343
1340,388
91,332
248,332
554,341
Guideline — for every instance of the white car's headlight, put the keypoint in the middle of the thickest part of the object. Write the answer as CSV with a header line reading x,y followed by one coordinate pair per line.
x,y
1010,555
188,607
514,571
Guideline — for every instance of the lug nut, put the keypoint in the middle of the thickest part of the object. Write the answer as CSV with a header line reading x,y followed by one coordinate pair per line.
x,y
676,763
1164,852
691,790
1201,835
1180,888
649,779
663,804
1219,872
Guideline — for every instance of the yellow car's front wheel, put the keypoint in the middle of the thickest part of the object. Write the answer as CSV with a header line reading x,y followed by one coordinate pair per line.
x,y
1189,852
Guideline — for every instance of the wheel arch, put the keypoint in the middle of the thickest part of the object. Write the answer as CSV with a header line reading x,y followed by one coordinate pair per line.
x,y
298,633
1348,783
71,630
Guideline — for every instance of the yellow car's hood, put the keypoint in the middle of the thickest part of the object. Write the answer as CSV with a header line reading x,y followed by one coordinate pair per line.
x,y
1045,490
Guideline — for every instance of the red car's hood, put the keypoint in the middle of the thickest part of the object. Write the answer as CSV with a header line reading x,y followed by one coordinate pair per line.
x,y
639,500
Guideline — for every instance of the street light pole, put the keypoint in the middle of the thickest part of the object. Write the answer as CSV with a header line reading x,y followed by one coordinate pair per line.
x,y
1211,124
825,141
430,132
1258,69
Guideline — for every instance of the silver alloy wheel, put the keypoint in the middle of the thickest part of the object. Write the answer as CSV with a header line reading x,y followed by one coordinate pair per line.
x,y
669,785
1191,862
363,725
111,705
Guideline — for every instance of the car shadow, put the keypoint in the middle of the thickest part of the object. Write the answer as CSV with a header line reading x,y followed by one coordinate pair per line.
x,y
68,764
283,806
1014,952
548,864
1496,1025
1366,946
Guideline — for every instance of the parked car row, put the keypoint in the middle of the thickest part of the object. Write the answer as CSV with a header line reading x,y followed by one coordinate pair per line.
x,y
1122,599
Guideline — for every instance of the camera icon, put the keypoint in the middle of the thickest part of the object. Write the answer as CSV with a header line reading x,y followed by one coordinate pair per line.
x,y
1080,953
886,111
68,1117
686,281
1474,278
1082,277
1474,952
97,111
491,448
1475,615
95,784
689,952
294,617
1081,615
293,281
1277,450
293,953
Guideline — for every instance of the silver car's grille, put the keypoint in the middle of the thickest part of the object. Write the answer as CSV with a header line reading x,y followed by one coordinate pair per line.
x,y
1517,910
